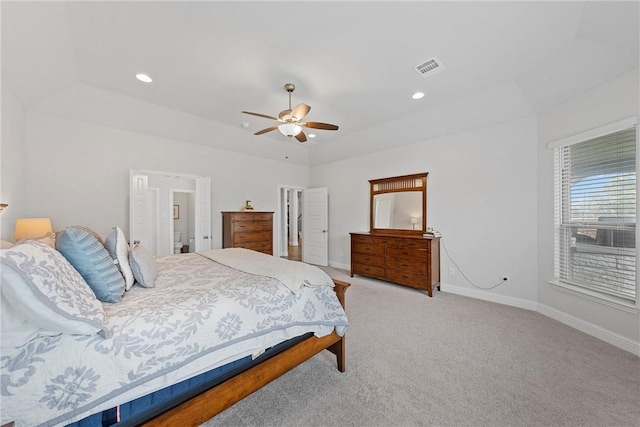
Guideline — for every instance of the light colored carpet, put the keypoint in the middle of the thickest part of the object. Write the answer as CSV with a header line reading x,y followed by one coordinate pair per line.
x,y
449,361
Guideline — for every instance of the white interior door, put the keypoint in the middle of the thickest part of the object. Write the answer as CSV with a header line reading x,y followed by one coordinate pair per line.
x,y
138,219
315,226
203,214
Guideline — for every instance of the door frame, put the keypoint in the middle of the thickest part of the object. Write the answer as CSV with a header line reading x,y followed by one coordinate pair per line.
x,y
282,249
147,172
192,215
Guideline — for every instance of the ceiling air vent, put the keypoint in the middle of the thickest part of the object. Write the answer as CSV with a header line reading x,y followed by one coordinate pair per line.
x,y
428,67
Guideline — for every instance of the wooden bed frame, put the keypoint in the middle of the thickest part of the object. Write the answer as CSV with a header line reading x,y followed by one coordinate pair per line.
x,y
210,403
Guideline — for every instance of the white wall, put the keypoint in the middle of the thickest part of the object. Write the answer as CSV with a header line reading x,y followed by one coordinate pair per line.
x,y
481,195
77,173
615,100
12,163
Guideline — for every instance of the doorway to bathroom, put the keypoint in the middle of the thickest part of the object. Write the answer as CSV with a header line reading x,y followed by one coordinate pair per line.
x,y
183,226
161,203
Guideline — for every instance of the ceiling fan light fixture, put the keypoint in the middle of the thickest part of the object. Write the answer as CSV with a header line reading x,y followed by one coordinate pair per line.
x,y
289,129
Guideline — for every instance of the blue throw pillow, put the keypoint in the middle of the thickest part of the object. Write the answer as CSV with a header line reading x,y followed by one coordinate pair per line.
x,y
87,254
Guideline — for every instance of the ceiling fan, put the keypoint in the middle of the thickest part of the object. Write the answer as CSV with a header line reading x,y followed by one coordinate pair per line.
x,y
291,119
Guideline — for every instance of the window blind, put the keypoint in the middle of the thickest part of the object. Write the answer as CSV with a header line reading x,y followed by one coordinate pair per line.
x,y
595,214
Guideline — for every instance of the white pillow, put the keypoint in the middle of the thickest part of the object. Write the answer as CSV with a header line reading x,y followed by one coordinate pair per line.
x,y
144,268
118,248
44,289
49,239
4,244
16,330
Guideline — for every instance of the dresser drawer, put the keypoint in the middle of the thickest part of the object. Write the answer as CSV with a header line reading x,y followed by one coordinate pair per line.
x,y
368,270
251,216
251,226
414,243
406,278
407,265
368,259
407,254
355,238
255,236
385,241
363,248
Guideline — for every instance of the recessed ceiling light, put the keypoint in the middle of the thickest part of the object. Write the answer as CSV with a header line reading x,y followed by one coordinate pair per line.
x,y
417,95
312,135
144,78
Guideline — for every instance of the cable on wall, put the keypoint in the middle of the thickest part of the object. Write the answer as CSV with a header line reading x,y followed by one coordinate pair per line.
x,y
462,272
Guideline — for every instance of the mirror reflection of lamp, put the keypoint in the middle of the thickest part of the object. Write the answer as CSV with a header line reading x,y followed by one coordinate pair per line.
x,y
414,221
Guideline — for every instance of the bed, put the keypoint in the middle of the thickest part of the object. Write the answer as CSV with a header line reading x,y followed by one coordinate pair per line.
x,y
227,320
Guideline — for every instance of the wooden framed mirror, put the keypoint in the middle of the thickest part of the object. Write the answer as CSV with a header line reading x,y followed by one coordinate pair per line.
x,y
398,205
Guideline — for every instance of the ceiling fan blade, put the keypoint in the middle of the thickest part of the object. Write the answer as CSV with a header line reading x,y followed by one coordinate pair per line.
x,y
318,125
260,115
300,111
301,137
260,132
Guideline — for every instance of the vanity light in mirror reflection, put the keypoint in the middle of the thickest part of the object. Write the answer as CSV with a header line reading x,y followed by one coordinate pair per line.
x,y
398,211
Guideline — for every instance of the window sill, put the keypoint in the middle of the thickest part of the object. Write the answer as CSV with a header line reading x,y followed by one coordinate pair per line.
x,y
607,300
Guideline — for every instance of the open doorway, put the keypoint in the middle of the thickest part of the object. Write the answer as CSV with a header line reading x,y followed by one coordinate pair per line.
x,y
160,202
290,223
184,221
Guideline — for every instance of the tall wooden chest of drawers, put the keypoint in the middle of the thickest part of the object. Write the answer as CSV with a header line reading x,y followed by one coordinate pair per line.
x,y
249,230
406,260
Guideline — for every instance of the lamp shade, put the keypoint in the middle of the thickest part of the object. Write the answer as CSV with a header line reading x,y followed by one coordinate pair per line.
x,y
32,228
289,129
414,220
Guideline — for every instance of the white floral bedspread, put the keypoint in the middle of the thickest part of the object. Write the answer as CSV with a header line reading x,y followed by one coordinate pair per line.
x,y
200,315
294,275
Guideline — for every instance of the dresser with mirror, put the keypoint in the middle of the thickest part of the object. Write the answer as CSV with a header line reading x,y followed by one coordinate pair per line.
x,y
397,247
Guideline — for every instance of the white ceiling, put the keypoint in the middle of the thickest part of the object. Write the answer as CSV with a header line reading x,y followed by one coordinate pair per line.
x,y
351,61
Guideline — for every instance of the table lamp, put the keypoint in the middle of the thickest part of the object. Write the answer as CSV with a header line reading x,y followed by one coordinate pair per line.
x,y
32,228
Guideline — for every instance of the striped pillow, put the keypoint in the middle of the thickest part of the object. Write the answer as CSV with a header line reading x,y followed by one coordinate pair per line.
x,y
86,253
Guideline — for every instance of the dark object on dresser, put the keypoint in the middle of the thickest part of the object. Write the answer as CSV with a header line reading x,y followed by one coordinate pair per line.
x,y
406,260
249,230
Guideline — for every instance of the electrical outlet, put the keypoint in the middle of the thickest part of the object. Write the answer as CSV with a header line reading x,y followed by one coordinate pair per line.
x,y
452,271
505,279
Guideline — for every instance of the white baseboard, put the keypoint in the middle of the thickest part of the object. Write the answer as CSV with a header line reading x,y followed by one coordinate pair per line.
x,y
483,295
589,328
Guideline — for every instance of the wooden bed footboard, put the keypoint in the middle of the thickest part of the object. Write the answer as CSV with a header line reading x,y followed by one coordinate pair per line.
x,y
210,403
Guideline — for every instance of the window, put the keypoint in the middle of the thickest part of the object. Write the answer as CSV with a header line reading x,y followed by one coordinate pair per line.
x,y
595,213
